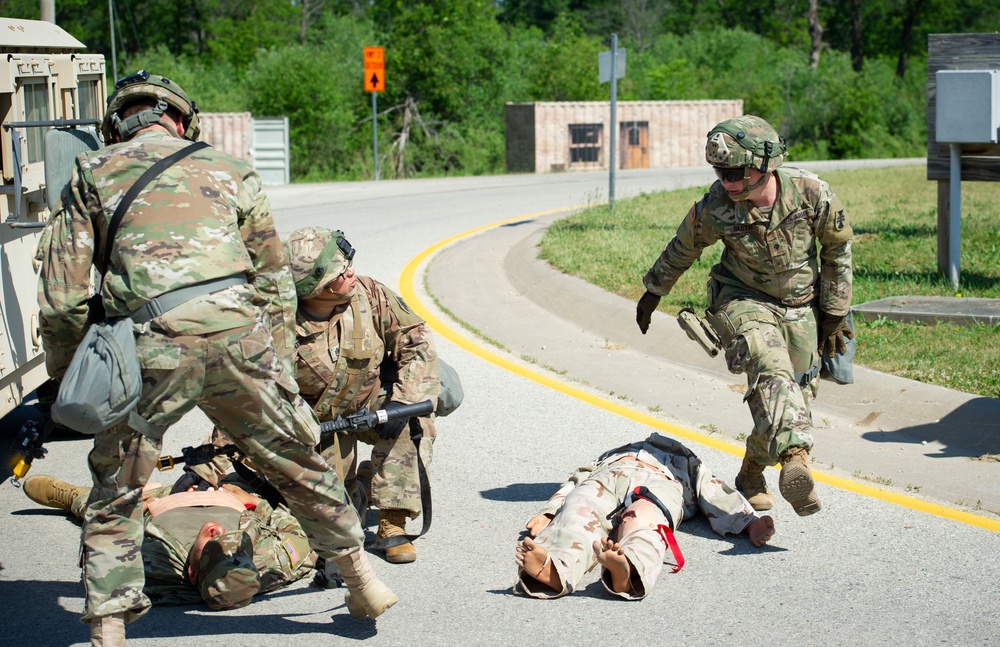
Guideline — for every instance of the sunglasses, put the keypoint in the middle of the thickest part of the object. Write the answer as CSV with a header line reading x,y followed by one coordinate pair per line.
x,y
729,174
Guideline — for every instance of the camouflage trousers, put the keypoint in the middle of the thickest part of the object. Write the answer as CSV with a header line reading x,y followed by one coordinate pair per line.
x,y
396,481
235,378
777,349
582,519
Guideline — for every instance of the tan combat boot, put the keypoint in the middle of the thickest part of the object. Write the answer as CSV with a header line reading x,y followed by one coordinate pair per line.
x,y
392,523
796,482
750,481
52,492
366,594
108,631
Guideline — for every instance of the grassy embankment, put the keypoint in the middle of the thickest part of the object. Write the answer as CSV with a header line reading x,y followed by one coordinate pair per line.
x,y
894,216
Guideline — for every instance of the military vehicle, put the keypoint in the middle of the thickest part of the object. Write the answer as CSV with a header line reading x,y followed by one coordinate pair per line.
x,y
47,82
52,98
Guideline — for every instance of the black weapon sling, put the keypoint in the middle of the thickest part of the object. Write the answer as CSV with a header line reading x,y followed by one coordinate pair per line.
x,y
273,496
159,167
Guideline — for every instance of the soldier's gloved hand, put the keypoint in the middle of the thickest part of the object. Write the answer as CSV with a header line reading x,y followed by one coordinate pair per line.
x,y
190,480
644,310
391,430
833,334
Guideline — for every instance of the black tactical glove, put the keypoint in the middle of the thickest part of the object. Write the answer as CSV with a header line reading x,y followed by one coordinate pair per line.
x,y
644,310
188,480
833,334
391,430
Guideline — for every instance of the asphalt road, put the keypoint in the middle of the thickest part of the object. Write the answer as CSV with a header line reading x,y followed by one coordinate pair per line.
x,y
864,571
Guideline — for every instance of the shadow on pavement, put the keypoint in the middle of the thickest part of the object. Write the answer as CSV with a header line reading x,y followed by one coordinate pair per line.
x,y
517,492
972,430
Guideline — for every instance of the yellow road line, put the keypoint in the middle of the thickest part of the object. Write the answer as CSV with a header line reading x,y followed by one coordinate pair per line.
x,y
408,292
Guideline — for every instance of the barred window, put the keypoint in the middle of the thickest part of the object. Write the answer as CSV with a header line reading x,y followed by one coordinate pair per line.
x,y
585,144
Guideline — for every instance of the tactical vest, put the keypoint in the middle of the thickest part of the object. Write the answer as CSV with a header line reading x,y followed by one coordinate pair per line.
x,y
359,355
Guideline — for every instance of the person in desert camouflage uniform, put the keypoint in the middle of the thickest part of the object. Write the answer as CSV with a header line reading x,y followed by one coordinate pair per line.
x,y
350,330
774,302
204,219
218,546
621,511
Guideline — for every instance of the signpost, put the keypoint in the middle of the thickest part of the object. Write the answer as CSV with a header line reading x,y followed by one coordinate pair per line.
x,y
374,82
611,67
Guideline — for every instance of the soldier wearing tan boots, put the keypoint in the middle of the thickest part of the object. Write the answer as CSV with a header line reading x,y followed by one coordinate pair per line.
x,y
778,298
219,338
360,346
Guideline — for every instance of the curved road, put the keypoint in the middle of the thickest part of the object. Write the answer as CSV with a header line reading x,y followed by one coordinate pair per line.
x,y
864,571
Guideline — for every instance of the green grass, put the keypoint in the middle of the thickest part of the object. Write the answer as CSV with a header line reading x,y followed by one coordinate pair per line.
x,y
894,215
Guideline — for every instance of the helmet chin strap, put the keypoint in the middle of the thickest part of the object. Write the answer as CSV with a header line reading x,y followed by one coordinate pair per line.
x,y
134,123
747,187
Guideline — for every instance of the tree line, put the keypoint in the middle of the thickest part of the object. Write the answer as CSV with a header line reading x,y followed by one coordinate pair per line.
x,y
838,78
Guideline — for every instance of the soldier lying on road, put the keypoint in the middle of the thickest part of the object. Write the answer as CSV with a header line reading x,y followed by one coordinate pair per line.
x,y
218,546
621,511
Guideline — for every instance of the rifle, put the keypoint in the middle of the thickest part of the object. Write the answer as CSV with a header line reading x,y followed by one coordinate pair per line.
x,y
30,440
362,419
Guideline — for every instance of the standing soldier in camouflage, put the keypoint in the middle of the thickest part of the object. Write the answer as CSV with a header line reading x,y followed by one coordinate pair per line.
x,y
360,346
221,547
203,226
775,305
621,511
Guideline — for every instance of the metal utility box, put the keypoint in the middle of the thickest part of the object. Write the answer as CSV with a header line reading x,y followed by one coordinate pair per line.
x,y
968,106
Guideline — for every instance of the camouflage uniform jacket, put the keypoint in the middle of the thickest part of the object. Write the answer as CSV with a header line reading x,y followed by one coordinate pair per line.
x,y
726,509
339,365
773,255
203,218
281,554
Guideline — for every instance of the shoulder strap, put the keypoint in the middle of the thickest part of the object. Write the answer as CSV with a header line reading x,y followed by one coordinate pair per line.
x,y
134,190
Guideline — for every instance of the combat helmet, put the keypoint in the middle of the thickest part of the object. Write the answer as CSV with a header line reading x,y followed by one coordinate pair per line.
x,y
317,255
745,141
143,85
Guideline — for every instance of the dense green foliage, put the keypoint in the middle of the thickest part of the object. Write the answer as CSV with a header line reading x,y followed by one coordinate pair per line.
x,y
893,212
858,91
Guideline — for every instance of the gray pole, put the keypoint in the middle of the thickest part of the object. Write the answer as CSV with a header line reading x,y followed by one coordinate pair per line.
x,y
114,52
954,215
375,130
614,120
47,10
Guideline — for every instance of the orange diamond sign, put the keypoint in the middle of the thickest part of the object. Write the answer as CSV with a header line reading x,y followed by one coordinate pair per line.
x,y
374,80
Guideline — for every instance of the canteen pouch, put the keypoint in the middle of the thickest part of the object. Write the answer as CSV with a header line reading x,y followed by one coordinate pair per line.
x,y
103,382
451,390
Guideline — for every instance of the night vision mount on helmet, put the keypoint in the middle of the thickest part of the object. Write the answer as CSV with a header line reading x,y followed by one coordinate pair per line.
x,y
143,85
745,141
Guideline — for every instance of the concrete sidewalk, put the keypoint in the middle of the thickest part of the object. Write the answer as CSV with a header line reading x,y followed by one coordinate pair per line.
x,y
895,434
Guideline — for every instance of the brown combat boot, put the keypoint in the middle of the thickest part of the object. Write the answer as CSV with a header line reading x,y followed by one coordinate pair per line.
x,y
108,631
367,596
52,492
392,523
750,481
796,482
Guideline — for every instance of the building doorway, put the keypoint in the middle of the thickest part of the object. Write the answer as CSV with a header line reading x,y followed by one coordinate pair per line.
x,y
634,138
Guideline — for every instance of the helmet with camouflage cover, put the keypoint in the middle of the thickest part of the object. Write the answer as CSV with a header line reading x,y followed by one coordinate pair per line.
x,y
229,579
145,86
745,141
317,256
